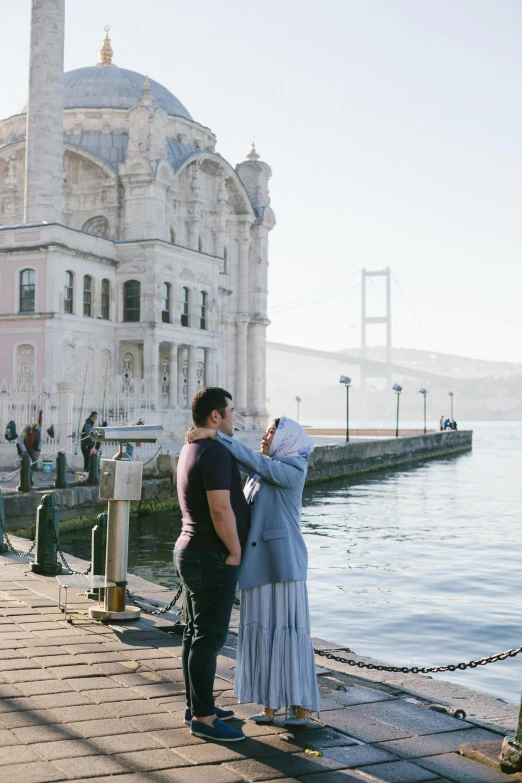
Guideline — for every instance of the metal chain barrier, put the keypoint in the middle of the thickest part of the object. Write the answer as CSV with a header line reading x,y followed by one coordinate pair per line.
x,y
13,550
62,556
418,669
157,612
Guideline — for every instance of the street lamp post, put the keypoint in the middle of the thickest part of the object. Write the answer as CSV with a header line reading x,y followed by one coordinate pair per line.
x,y
298,401
397,389
347,381
424,392
450,395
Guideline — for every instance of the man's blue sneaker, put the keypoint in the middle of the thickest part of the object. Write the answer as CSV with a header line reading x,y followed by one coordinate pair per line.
x,y
222,714
219,732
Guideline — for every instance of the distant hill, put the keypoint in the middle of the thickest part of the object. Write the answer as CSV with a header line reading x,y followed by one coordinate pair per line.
x,y
483,390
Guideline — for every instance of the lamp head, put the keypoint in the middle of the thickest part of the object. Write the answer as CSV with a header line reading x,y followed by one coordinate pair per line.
x,y
344,379
423,391
298,399
450,394
397,388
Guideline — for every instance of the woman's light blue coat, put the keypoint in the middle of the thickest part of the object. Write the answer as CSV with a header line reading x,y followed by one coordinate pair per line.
x,y
275,550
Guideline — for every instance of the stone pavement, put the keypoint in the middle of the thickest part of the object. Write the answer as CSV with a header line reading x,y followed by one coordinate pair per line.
x,y
88,701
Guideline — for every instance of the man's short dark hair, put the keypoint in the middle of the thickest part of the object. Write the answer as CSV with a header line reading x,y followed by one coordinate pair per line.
x,y
93,413
206,400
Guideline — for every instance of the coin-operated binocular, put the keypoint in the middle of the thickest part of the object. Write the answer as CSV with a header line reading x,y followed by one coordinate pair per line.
x,y
120,482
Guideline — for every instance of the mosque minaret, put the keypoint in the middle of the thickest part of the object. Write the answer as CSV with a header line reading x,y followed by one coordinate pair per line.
x,y
134,257
44,153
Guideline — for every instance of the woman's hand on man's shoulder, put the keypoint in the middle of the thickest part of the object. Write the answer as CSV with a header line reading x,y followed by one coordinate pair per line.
x,y
199,433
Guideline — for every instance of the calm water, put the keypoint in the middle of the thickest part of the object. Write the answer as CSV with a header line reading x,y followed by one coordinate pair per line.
x,y
415,567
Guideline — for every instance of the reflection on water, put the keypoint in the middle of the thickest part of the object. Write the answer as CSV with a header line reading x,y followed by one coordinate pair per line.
x,y
415,567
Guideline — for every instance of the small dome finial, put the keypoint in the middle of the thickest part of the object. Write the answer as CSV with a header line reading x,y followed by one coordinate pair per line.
x,y
106,50
252,155
146,86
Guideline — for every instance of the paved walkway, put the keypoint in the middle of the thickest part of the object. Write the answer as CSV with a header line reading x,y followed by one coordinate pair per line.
x,y
87,701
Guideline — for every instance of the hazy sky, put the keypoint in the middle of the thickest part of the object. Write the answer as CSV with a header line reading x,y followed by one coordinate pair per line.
x,y
393,129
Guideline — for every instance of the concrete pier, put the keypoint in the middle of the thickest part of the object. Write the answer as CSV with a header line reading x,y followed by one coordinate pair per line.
x,y
365,456
90,701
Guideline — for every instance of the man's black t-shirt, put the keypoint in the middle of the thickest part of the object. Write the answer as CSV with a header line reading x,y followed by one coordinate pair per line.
x,y
204,466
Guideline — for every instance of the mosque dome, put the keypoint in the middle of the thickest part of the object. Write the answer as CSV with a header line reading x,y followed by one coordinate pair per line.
x,y
110,87
105,86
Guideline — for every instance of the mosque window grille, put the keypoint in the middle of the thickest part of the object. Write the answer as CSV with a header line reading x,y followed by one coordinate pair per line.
x,y
25,366
105,298
128,369
203,310
185,305
27,290
172,236
131,301
200,244
68,293
166,300
98,225
87,296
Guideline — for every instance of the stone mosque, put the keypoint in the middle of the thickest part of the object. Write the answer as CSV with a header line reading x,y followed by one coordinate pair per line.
x,y
130,249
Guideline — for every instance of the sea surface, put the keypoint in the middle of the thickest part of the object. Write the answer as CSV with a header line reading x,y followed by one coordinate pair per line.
x,y
419,566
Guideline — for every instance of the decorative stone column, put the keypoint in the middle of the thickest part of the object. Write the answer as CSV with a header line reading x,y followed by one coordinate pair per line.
x,y
65,402
210,366
192,374
218,235
241,365
244,247
151,363
193,232
173,376
44,147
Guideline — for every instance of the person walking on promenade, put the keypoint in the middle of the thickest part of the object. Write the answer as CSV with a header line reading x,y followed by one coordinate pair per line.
x,y
207,555
441,422
86,442
29,442
275,659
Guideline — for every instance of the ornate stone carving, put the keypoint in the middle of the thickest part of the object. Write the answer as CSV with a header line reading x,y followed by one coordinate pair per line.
x,y
87,368
105,367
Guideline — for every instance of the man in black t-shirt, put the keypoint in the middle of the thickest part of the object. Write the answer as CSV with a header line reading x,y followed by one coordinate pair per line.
x,y
207,557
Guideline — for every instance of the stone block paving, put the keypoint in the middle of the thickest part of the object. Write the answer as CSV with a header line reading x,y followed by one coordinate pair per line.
x,y
92,702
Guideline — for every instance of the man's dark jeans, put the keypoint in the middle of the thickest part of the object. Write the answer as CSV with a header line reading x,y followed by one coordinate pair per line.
x,y
209,590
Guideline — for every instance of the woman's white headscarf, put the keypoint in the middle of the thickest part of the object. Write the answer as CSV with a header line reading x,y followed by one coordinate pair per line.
x,y
290,440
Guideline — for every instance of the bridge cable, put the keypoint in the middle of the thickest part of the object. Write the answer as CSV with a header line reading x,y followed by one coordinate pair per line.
x,y
413,311
319,291
315,301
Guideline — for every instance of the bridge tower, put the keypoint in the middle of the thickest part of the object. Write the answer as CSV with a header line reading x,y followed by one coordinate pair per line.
x,y
381,319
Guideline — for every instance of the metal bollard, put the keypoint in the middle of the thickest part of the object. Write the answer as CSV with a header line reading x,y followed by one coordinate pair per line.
x,y
61,469
47,528
3,545
94,473
511,754
25,473
98,554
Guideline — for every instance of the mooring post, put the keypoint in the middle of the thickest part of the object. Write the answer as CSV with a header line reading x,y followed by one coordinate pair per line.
x,y
94,473
47,528
98,543
61,469
3,545
511,755
25,473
